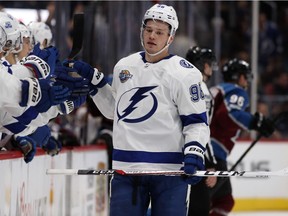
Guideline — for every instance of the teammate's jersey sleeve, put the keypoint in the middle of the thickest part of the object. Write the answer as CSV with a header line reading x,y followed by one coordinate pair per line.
x,y
10,88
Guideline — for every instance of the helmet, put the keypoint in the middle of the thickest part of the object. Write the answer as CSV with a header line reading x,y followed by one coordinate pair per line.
x,y
24,30
40,32
199,56
11,28
234,68
3,39
25,33
164,13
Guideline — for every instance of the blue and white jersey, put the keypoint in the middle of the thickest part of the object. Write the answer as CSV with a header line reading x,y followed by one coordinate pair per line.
x,y
10,88
20,120
159,107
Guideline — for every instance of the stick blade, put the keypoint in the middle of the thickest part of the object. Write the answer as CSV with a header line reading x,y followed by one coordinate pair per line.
x,y
78,31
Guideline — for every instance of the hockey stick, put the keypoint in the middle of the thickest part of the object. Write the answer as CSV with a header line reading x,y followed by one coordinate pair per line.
x,y
78,31
257,174
259,136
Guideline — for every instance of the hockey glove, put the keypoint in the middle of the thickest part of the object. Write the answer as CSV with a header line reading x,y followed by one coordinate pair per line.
x,y
27,146
38,66
193,161
77,85
41,135
68,106
49,54
95,77
263,125
41,94
53,146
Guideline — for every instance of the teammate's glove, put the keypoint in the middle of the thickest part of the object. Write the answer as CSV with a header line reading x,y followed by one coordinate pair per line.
x,y
263,125
27,146
38,66
68,106
95,77
42,94
49,54
193,161
77,85
41,135
52,147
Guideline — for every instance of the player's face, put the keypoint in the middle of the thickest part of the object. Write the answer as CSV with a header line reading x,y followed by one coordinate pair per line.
x,y
208,71
243,81
155,35
26,47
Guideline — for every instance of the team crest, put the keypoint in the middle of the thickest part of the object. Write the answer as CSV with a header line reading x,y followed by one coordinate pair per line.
x,y
124,76
185,64
8,25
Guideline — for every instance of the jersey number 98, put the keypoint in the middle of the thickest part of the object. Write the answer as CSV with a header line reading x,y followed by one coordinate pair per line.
x,y
196,92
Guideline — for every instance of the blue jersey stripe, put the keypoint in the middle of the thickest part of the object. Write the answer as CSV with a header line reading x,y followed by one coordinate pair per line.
x,y
194,119
147,157
27,116
15,127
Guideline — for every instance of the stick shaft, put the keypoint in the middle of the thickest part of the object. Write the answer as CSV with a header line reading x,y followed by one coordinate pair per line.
x,y
78,31
256,174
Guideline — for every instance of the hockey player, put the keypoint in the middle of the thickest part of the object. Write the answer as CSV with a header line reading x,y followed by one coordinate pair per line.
x,y
41,33
229,118
25,47
25,92
204,59
18,120
160,120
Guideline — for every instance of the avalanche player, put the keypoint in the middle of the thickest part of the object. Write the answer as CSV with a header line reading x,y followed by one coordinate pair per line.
x,y
229,118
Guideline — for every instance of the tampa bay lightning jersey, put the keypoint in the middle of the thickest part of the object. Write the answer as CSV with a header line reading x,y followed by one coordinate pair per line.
x,y
20,120
159,107
229,117
10,88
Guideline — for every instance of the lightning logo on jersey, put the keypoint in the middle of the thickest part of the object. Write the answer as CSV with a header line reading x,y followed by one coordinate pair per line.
x,y
138,98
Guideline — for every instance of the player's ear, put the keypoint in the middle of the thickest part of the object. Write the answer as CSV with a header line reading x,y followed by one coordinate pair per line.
x,y
171,39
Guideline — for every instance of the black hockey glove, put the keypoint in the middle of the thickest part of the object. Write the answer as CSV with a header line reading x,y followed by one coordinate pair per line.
x,y
263,125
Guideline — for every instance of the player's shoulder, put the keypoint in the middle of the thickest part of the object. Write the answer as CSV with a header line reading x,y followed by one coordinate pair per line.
x,y
230,89
131,59
181,68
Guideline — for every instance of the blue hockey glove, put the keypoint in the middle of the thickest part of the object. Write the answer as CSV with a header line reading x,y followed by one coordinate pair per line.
x,y
53,146
27,146
95,77
69,105
41,135
262,124
193,161
42,94
77,85
49,54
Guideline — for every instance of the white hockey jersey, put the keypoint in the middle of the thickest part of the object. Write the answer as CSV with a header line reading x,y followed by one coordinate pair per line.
x,y
158,108
13,118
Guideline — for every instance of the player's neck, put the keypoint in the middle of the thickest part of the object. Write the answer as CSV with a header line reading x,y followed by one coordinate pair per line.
x,y
156,58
